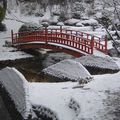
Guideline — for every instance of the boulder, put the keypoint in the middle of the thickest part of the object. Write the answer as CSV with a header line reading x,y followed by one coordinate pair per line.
x,y
67,70
98,65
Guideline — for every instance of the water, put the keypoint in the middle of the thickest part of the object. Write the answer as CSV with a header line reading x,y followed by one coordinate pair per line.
x,y
4,115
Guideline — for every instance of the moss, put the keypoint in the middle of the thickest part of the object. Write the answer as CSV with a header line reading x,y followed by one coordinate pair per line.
x,y
2,14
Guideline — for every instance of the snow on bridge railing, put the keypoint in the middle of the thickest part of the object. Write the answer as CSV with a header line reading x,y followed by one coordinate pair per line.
x,y
75,39
99,43
47,36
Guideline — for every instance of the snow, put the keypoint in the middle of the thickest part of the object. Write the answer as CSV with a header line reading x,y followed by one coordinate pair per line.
x,y
53,97
90,22
68,100
91,98
17,87
9,53
69,69
94,98
72,21
60,24
98,62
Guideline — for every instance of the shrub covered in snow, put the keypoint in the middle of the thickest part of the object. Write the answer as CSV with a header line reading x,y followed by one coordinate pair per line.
x,y
78,9
68,70
30,27
74,106
45,113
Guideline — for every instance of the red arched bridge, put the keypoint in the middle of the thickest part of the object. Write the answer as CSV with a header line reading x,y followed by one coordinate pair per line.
x,y
69,41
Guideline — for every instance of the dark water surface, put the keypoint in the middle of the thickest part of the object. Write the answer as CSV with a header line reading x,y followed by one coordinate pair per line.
x,y
4,115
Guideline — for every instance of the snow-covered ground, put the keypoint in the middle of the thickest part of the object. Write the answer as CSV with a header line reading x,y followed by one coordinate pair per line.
x,y
7,53
93,98
96,99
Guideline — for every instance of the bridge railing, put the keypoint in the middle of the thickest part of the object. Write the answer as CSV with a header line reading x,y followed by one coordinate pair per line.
x,y
71,38
72,41
99,43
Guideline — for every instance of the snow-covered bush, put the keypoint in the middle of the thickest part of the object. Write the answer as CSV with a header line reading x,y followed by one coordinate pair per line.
x,y
29,27
77,10
74,106
45,113
62,17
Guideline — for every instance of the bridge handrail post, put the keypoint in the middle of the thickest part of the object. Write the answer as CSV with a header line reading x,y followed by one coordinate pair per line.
x,y
12,36
92,44
46,35
61,31
106,44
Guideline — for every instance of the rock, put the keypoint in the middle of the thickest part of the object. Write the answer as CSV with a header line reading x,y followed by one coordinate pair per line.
x,y
89,22
14,91
60,24
79,24
67,70
71,22
98,65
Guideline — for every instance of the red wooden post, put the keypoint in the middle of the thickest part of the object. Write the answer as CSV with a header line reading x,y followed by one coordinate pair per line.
x,y
60,29
92,44
61,32
106,44
12,36
46,35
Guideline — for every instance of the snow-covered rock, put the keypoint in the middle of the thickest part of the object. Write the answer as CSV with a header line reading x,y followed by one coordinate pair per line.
x,y
17,88
71,21
98,62
60,23
89,22
79,24
68,70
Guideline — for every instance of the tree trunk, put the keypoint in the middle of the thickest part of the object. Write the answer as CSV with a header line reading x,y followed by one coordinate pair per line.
x,y
5,4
